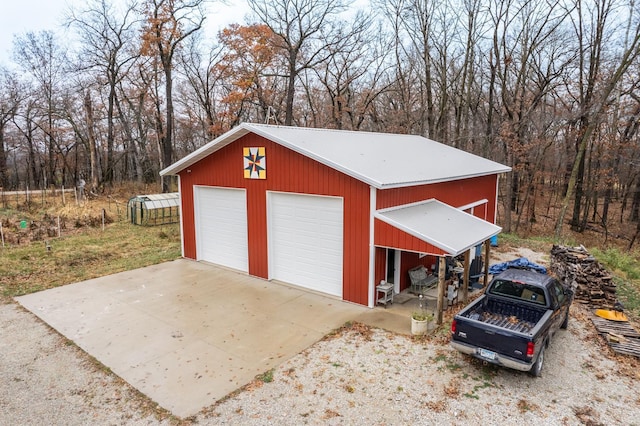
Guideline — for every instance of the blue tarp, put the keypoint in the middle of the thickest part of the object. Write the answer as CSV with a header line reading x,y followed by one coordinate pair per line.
x,y
522,263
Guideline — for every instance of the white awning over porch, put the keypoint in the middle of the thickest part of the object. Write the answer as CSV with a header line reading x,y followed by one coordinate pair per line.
x,y
439,224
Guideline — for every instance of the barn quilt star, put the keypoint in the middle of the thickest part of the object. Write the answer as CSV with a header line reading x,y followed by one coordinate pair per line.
x,y
255,163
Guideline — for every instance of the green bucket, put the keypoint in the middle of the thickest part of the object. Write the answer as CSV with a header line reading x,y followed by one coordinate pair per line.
x,y
23,224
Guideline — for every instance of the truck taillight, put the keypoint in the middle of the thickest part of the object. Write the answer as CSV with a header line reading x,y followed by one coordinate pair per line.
x,y
453,327
531,348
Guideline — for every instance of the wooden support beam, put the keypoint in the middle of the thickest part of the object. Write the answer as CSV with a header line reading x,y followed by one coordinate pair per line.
x,y
465,277
442,273
487,249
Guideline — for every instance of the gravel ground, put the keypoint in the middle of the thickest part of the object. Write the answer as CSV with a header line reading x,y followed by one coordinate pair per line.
x,y
368,376
45,379
355,376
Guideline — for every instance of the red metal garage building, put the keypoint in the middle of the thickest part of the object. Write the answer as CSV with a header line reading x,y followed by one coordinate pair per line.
x,y
332,211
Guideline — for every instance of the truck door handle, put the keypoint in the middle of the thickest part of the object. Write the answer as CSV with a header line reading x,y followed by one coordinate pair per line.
x,y
490,332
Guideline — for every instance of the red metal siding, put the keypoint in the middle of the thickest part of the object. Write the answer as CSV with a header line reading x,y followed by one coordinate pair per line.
x,y
455,193
389,236
287,171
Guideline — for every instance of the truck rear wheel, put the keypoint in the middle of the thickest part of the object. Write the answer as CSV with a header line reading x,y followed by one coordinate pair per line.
x,y
536,369
565,323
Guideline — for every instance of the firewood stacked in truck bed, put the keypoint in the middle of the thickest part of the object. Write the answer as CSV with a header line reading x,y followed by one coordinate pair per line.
x,y
509,322
577,269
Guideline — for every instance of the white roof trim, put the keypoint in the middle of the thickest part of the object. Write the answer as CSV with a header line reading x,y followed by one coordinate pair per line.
x,y
380,160
450,229
474,204
205,150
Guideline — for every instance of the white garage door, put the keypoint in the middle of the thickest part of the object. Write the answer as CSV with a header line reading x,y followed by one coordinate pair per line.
x,y
305,241
221,226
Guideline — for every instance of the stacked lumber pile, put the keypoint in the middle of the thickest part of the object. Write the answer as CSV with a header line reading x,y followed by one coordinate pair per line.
x,y
577,269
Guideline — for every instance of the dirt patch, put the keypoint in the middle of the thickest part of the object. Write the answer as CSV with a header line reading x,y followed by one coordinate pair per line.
x,y
499,255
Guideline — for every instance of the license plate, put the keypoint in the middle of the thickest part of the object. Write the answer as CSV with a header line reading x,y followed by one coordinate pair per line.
x,y
487,354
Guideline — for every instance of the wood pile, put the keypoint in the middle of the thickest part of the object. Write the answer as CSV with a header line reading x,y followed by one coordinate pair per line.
x,y
577,269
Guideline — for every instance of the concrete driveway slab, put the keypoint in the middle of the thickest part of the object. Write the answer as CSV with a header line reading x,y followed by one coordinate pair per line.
x,y
186,333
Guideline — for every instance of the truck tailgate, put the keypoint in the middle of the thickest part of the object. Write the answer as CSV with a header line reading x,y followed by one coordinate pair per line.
x,y
495,339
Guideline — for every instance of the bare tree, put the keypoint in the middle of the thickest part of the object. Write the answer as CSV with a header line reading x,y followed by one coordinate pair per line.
x,y
305,30
44,60
167,24
521,40
139,112
595,89
197,66
105,35
348,63
10,98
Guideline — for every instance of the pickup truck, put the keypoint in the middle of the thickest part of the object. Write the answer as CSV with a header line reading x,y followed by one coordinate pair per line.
x,y
512,323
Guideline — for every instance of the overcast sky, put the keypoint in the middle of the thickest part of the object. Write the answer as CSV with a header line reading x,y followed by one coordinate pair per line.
x,y
21,16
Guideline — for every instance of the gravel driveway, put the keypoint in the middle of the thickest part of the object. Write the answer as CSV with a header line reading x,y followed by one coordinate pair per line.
x,y
46,379
356,376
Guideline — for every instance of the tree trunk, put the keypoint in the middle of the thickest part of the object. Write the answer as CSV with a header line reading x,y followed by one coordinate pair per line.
x,y
108,173
93,158
4,179
579,193
167,141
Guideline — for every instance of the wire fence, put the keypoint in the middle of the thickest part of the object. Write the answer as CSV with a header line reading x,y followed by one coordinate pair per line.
x,y
44,214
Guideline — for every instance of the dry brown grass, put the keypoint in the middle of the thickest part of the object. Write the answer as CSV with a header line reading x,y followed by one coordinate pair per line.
x,y
36,258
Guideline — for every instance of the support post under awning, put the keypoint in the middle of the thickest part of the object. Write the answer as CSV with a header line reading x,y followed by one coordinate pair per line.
x,y
487,249
465,277
442,273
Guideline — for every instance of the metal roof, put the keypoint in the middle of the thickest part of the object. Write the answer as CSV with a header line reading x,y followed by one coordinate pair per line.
x,y
158,201
439,224
382,160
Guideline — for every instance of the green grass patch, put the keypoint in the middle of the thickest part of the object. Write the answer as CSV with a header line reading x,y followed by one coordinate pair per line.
x,y
623,264
485,379
93,253
474,393
625,267
629,295
440,358
449,363
266,377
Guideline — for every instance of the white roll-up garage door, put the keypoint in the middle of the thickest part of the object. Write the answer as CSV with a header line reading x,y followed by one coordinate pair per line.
x,y
305,241
221,226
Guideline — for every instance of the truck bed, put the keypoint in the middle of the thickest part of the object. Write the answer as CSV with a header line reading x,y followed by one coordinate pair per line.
x,y
511,323
505,314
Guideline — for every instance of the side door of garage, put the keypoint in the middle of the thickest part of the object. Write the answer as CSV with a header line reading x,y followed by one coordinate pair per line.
x,y
221,226
306,241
